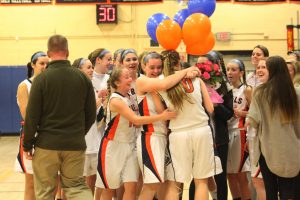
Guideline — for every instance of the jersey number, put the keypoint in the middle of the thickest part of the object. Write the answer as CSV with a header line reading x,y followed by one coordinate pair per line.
x,y
187,85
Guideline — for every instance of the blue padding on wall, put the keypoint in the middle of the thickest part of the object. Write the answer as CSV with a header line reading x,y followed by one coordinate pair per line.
x,y
10,77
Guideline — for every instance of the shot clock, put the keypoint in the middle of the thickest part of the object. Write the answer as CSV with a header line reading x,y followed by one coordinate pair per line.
x,y
107,13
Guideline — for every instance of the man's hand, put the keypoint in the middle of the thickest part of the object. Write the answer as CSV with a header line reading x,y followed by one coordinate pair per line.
x,y
28,155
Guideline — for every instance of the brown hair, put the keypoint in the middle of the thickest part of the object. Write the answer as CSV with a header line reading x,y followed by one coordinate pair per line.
x,y
279,89
296,80
263,49
57,43
111,82
95,54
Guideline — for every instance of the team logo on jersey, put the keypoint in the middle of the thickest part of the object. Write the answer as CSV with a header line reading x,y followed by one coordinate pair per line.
x,y
238,100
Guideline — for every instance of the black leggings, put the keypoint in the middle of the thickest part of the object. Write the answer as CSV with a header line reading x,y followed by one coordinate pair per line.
x,y
288,188
221,179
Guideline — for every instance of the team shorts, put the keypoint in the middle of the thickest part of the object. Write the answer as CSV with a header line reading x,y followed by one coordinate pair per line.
x,y
151,149
253,144
238,157
117,164
22,164
90,164
192,155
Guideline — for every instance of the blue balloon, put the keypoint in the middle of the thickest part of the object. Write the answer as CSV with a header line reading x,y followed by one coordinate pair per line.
x,y
153,22
206,7
180,16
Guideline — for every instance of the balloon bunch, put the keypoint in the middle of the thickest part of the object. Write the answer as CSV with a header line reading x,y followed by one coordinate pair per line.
x,y
192,25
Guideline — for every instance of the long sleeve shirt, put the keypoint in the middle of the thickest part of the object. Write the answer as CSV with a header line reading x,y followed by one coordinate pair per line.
x,y
279,143
60,110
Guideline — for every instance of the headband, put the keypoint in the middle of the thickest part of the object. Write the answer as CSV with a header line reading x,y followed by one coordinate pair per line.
x,y
127,51
37,55
103,52
151,55
214,55
117,52
82,60
239,63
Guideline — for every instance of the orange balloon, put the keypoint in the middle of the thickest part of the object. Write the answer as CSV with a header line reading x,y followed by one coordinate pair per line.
x,y
196,28
203,47
168,34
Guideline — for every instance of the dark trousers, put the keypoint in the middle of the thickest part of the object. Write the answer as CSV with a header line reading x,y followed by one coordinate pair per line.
x,y
192,190
288,188
221,179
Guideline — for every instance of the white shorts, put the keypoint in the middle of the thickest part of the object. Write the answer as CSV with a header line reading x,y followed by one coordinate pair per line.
x,y
117,164
238,158
151,150
253,145
90,164
192,154
22,164
255,169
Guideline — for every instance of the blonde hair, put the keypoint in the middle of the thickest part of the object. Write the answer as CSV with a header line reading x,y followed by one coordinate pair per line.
x,y
176,94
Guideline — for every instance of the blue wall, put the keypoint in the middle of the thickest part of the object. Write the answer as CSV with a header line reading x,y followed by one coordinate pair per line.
x,y
10,77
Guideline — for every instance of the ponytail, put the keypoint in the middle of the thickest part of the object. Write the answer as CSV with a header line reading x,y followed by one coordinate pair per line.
x,y
111,82
98,53
29,70
107,99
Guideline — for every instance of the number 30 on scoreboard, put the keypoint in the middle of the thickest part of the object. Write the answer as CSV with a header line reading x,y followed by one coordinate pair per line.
x,y
107,13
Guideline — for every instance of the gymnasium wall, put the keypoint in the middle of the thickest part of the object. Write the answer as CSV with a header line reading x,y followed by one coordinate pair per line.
x,y
25,29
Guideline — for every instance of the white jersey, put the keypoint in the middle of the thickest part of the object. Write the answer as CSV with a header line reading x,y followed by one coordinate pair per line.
x,y
192,113
28,84
100,81
133,98
252,80
134,106
147,108
240,103
93,138
118,128
22,164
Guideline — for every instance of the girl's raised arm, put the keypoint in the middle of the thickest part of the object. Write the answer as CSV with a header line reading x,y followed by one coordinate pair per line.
x,y
146,84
